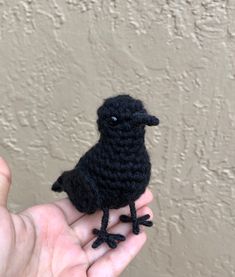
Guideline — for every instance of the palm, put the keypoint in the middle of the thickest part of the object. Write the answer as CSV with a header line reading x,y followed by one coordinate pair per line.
x,y
58,243
55,239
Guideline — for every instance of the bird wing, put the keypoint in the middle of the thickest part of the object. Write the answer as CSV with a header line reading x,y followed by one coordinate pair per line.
x,y
90,190
81,189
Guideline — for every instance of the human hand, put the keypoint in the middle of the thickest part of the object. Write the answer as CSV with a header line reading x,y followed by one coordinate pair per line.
x,y
55,239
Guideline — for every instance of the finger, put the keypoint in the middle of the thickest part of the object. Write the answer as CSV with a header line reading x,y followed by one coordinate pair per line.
x,y
115,261
75,271
120,228
84,226
70,212
5,182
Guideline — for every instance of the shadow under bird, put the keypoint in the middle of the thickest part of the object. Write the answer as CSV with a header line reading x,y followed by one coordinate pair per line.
x,y
116,170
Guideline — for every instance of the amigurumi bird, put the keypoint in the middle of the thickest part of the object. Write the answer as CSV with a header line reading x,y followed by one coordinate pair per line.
x,y
116,170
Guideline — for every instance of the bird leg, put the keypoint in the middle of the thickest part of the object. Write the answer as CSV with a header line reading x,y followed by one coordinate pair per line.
x,y
136,221
103,235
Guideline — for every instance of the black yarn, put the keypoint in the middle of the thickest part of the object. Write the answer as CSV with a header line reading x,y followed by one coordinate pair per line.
x,y
103,235
116,170
136,222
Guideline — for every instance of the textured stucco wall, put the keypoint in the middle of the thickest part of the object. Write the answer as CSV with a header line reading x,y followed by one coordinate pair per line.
x,y
59,59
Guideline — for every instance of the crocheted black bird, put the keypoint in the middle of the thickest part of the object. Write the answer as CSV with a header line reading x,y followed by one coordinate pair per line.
x,y
116,170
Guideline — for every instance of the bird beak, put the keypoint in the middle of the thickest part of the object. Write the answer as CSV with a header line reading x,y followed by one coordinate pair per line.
x,y
145,118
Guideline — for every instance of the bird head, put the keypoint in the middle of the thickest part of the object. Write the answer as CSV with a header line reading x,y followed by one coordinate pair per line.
x,y
122,115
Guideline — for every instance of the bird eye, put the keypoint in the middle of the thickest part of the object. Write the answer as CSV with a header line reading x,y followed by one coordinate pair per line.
x,y
113,121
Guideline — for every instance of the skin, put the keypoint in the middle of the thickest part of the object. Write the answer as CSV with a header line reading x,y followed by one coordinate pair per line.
x,y
55,239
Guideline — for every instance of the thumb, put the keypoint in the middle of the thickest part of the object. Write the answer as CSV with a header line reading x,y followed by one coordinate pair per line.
x,y
5,182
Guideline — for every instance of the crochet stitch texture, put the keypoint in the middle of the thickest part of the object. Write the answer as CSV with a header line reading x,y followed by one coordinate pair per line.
x,y
116,170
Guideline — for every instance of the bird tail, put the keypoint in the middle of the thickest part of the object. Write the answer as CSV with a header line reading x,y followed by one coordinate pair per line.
x,y
58,185
63,181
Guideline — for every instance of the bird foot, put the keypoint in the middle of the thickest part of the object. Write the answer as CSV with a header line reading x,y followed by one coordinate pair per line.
x,y
136,222
104,236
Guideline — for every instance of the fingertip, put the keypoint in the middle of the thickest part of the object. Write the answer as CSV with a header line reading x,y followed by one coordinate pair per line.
x,y
146,210
145,198
5,181
5,170
149,195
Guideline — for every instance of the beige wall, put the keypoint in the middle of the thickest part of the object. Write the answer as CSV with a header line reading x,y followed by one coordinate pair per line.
x,y
59,59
